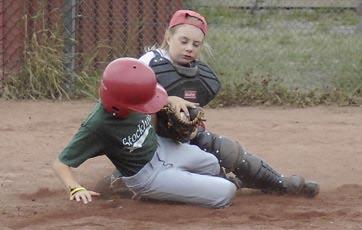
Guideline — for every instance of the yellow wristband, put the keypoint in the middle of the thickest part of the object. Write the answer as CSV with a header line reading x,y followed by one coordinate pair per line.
x,y
75,190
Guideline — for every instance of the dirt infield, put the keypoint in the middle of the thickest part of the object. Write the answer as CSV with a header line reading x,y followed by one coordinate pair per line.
x,y
322,143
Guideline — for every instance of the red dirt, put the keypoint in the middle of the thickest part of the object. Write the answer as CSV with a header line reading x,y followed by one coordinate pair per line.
x,y
321,143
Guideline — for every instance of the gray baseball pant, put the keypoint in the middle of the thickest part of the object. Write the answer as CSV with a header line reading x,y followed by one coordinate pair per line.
x,y
183,173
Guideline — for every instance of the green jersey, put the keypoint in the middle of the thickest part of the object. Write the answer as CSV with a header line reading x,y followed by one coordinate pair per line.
x,y
129,143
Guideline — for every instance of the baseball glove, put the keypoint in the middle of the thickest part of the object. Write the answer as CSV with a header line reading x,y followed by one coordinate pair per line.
x,y
179,129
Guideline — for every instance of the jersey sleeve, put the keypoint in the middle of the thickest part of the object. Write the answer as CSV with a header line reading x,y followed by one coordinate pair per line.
x,y
84,145
147,57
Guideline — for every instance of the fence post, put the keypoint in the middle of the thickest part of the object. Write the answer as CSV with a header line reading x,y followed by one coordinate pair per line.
x,y
69,12
256,6
2,63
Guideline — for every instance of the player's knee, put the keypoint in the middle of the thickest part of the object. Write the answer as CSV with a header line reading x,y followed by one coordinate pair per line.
x,y
214,164
210,162
226,197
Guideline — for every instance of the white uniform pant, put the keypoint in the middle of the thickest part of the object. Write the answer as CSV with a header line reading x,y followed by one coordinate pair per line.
x,y
184,173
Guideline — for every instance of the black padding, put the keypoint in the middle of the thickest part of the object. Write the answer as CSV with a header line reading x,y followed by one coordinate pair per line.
x,y
200,84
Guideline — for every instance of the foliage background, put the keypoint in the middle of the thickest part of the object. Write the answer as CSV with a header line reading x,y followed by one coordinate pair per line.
x,y
264,53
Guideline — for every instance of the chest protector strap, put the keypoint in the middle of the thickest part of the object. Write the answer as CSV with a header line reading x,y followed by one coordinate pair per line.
x,y
197,83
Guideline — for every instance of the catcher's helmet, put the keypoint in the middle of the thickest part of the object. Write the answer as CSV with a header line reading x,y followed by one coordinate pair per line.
x,y
128,84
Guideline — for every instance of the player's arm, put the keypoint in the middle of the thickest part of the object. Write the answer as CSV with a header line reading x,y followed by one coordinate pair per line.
x,y
76,191
84,145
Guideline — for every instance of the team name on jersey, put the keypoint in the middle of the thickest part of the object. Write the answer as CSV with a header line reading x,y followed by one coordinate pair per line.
x,y
135,140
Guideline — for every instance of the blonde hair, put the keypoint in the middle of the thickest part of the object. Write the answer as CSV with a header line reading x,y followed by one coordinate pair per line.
x,y
206,50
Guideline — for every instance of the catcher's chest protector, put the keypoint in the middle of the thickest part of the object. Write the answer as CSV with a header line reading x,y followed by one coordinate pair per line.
x,y
197,84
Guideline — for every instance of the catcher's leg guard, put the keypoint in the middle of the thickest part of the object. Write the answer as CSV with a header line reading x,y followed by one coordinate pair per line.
x,y
250,169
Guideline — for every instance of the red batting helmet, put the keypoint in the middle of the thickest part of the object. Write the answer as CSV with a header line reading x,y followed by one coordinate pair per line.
x,y
128,84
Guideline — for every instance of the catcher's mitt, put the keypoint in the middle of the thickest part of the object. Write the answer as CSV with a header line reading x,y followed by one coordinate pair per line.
x,y
178,128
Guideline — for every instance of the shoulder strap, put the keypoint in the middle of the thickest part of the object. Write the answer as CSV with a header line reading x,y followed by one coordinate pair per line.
x,y
156,53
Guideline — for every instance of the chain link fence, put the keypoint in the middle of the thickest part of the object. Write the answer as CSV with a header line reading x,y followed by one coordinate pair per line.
x,y
92,32
305,43
301,44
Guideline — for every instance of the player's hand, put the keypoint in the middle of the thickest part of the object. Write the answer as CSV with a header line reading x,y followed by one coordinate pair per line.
x,y
82,194
180,105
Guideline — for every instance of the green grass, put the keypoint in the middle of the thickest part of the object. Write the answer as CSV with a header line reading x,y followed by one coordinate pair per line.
x,y
304,61
306,53
43,74
271,57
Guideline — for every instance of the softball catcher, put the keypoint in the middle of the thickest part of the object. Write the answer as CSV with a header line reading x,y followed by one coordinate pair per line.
x,y
252,171
180,72
178,69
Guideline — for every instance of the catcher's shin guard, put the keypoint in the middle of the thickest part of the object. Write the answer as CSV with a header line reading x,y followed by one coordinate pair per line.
x,y
250,169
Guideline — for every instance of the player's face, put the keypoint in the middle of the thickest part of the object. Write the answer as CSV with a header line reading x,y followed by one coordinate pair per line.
x,y
185,44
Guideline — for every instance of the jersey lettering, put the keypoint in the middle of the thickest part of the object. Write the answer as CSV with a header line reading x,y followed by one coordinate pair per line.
x,y
190,94
136,140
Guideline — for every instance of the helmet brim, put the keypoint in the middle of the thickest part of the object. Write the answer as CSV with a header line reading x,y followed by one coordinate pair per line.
x,y
157,102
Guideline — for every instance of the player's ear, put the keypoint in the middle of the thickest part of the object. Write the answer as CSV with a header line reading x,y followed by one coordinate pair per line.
x,y
167,36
